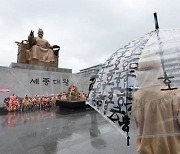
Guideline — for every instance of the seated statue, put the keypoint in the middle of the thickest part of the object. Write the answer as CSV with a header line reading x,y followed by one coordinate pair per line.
x,y
38,51
41,49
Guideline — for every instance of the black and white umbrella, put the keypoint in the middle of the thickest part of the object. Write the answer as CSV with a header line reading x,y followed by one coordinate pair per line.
x,y
112,92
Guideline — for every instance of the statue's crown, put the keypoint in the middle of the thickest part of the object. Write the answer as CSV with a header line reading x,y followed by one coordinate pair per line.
x,y
40,30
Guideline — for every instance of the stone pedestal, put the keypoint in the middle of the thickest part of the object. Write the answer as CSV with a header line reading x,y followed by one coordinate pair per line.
x,y
31,80
37,67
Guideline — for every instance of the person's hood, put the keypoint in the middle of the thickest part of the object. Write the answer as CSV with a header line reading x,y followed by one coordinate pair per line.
x,y
149,70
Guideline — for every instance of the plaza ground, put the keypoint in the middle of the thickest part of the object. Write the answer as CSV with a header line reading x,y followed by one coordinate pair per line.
x,y
61,131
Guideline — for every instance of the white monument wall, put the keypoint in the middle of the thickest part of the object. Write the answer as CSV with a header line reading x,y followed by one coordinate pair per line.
x,y
30,82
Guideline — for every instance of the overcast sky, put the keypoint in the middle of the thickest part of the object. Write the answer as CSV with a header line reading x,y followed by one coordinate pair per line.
x,y
88,31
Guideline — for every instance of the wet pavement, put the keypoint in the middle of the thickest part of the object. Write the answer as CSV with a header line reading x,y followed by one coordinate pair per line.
x,y
61,131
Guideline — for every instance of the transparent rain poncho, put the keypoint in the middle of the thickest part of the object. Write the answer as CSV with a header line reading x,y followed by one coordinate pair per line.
x,y
118,86
156,111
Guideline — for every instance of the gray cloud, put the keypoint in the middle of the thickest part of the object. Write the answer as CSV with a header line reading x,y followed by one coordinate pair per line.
x,y
88,31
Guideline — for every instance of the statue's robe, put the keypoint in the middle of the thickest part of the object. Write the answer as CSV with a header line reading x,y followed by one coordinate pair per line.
x,y
40,49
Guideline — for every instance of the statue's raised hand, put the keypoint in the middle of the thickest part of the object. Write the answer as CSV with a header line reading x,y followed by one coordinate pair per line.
x,y
32,33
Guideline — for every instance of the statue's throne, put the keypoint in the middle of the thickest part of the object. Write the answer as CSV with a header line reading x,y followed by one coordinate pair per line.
x,y
24,55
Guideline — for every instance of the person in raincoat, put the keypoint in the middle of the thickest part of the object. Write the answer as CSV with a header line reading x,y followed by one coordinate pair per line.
x,y
156,112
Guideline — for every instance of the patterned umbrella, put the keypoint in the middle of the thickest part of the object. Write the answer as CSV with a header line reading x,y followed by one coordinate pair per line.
x,y
112,92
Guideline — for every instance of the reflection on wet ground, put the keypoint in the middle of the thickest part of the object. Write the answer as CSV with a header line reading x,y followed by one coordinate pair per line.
x,y
61,131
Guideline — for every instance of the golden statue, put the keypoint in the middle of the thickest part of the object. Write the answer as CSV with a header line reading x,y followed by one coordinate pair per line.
x,y
38,51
